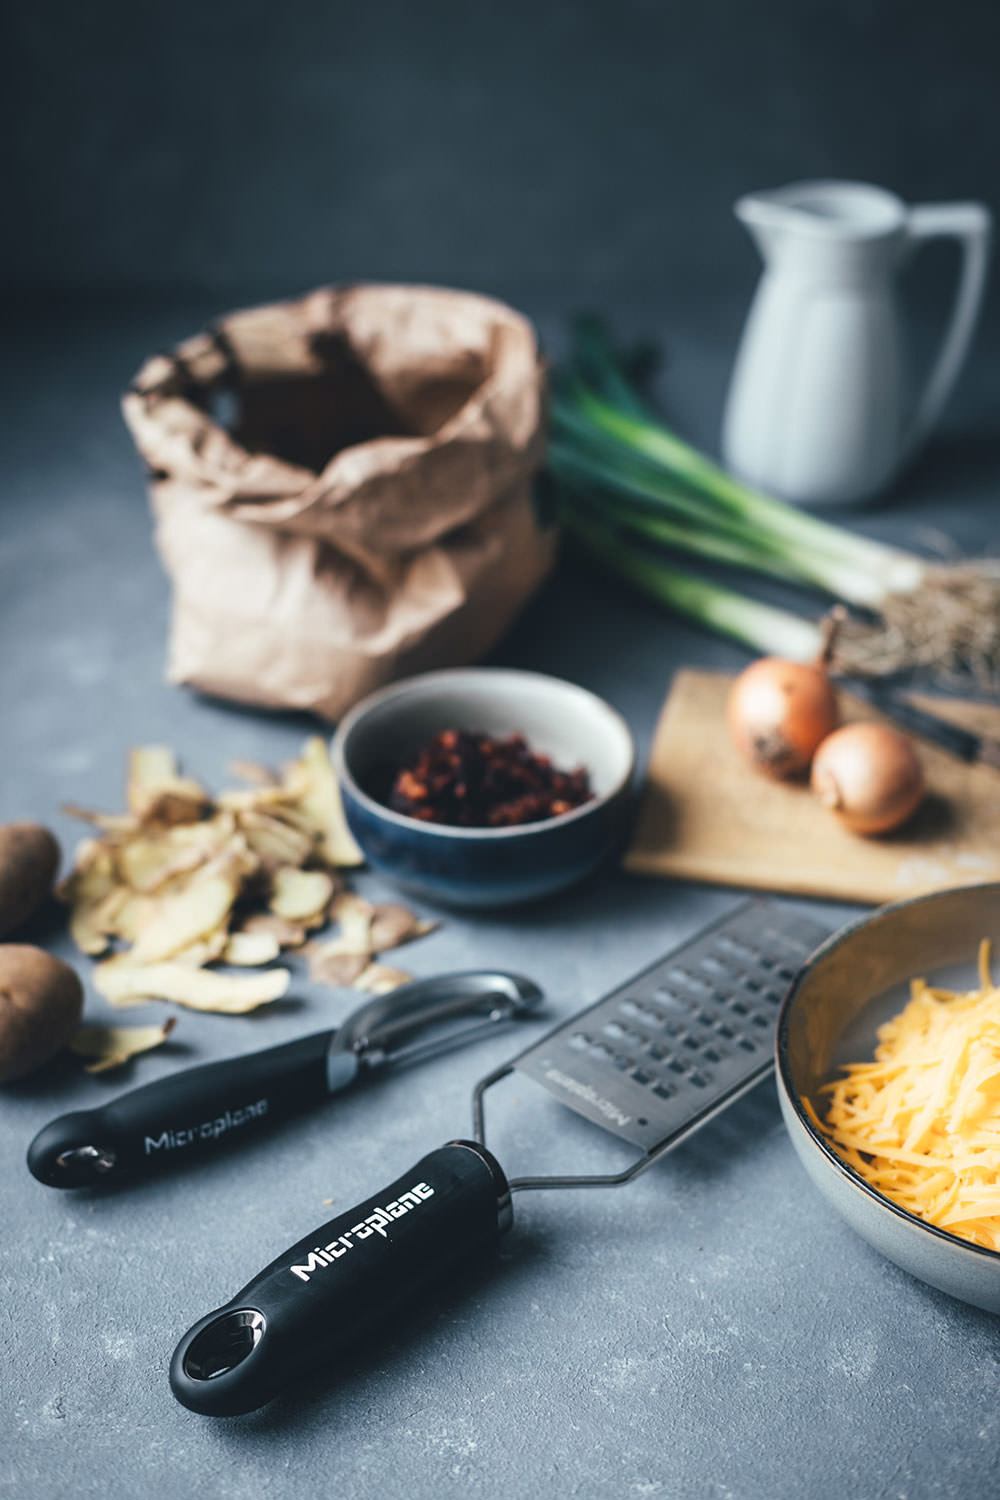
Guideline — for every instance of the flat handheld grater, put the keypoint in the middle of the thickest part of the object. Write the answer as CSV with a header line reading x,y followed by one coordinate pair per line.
x,y
651,1062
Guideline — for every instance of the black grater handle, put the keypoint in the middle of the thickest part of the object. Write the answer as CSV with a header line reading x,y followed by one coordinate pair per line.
x,y
325,1293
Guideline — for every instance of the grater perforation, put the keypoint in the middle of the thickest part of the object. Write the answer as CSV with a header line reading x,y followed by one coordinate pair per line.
x,y
684,1036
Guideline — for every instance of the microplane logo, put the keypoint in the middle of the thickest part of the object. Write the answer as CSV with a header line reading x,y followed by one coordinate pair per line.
x,y
377,1222
208,1130
586,1091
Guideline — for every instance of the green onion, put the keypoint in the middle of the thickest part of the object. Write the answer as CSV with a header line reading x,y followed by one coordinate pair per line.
x,y
762,627
620,468
849,566
648,502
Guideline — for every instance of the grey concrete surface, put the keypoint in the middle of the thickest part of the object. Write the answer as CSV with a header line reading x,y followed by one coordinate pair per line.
x,y
712,1331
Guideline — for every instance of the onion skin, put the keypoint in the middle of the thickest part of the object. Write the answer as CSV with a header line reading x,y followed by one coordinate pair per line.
x,y
779,713
869,776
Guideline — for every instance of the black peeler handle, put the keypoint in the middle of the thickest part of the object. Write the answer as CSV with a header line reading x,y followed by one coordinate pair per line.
x,y
326,1292
190,1113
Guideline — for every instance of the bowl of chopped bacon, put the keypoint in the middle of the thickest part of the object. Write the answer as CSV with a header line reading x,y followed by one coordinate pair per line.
x,y
888,1067
485,787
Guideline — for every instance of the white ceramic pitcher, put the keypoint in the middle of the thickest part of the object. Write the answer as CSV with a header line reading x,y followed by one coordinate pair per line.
x,y
818,409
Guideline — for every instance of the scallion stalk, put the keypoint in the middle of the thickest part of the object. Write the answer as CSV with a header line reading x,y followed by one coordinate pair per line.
x,y
846,565
639,478
762,627
631,491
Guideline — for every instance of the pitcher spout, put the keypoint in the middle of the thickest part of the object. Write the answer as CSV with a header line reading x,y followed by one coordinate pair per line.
x,y
768,220
830,212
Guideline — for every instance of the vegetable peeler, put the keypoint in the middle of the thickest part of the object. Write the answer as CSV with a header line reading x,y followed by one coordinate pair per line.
x,y
196,1111
651,1063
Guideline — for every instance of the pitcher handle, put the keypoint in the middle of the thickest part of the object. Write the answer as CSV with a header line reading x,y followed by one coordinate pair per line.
x,y
971,225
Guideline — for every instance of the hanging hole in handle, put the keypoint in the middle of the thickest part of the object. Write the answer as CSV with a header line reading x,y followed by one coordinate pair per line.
x,y
224,1344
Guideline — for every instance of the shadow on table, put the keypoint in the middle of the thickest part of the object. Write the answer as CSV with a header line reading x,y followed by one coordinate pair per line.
x,y
387,1355
475,1290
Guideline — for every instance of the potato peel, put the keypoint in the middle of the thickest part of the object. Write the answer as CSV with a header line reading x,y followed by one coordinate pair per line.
x,y
379,979
274,840
157,794
110,823
299,895
205,951
354,916
123,982
286,934
316,792
250,949
111,1046
254,772
338,968
85,891
393,925
181,881
177,920
364,931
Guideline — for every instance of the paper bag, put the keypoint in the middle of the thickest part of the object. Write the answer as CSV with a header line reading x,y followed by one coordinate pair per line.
x,y
342,490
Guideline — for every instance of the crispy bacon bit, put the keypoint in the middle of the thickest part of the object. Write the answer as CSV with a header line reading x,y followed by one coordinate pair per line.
x,y
472,780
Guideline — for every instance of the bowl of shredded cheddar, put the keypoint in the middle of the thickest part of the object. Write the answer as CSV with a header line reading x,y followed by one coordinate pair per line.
x,y
888,1067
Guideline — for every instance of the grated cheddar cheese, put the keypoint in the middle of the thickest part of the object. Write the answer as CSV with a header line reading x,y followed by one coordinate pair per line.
x,y
921,1122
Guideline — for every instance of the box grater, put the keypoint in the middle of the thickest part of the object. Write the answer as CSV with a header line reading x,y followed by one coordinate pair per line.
x,y
651,1062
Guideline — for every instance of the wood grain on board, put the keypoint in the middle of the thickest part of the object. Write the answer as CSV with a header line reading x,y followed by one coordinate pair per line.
x,y
705,815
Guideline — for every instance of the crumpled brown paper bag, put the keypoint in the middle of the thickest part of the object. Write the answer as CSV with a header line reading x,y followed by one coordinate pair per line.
x,y
341,487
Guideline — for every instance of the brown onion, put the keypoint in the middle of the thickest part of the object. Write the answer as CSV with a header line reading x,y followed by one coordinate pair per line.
x,y
779,712
869,776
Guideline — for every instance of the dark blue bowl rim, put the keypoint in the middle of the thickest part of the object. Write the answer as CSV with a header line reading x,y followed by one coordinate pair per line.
x,y
783,1069
446,830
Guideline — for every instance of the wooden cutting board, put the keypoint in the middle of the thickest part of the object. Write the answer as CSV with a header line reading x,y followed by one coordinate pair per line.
x,y
705,815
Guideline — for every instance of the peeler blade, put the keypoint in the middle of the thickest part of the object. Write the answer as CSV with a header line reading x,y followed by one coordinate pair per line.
x,y
429,1016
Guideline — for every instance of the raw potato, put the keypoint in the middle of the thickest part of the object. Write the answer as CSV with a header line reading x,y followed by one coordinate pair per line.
x,y
41,1000
29,859
110,1046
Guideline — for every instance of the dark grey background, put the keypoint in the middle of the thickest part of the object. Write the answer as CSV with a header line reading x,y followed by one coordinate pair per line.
x,y
252,146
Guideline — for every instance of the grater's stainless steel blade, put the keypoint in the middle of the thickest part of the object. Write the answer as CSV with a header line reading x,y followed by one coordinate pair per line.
x,y
683,1038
